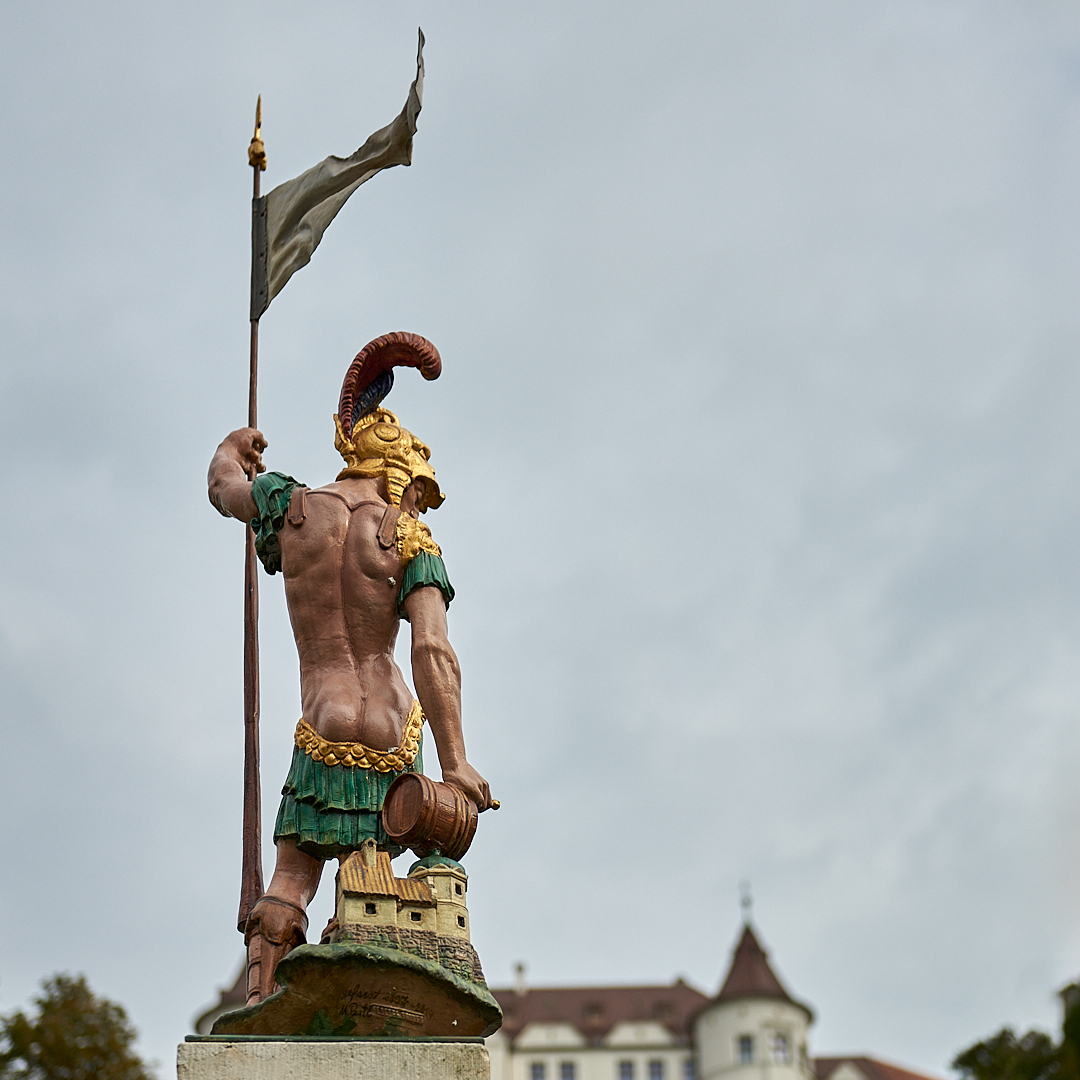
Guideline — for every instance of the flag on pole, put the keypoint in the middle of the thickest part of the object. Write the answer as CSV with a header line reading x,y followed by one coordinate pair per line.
x,y
288,223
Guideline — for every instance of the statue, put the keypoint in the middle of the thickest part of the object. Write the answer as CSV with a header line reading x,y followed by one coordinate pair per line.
x,y
396,958
356,559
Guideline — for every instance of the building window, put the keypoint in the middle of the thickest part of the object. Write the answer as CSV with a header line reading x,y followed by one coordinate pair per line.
x,y
567,1071
415,916
538,1071
689,1069
461,921
781,1051
626,1070
369,908
746,1049
656,1070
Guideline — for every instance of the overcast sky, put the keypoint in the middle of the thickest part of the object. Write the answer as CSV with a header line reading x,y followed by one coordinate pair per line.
x,y
760,429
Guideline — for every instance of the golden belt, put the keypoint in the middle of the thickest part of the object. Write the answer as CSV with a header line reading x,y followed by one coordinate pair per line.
x,y
358,756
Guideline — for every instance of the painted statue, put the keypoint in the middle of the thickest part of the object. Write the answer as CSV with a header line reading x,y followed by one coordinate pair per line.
x,y
356,560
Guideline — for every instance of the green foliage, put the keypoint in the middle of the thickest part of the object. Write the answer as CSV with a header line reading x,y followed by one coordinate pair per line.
x,y
73,1036
1070,1032
1034,1056
1003,1056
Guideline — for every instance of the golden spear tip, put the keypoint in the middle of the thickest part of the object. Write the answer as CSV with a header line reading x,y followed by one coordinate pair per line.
x,y
256,149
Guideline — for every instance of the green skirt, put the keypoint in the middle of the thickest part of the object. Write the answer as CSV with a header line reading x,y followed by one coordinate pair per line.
x,y
330,810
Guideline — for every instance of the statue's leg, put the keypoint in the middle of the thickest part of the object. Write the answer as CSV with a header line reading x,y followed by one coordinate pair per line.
x,y
278,922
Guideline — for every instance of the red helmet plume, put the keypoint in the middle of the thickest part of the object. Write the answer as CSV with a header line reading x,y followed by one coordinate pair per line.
x,y
370,375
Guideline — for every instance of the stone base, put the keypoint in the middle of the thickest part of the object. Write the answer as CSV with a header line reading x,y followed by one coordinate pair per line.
x,y
221,1058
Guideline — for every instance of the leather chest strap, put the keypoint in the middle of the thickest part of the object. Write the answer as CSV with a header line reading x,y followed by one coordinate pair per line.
x,y
297,508
388,527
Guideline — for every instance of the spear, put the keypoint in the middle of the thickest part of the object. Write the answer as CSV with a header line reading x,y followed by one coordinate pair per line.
x,y
287,225
251,877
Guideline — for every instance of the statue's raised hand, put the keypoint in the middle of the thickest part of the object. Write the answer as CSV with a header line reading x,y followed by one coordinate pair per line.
x,y
247,444
236,461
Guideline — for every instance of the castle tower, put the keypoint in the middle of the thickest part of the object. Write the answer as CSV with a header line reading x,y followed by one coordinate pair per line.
x,y
448,883
753,1029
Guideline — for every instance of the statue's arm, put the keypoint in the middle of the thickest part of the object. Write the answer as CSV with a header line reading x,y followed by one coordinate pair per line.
x,y
437,678
227,480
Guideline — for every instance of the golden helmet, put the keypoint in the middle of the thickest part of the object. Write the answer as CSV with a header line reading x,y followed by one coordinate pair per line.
x,y
370,438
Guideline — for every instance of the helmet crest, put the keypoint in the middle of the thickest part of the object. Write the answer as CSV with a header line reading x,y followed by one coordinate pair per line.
x,y
370,375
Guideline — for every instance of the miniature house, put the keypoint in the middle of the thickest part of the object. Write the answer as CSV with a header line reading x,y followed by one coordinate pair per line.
x,y
431,899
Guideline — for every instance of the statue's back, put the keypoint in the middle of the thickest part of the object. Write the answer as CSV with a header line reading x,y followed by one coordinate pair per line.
x,y
342,590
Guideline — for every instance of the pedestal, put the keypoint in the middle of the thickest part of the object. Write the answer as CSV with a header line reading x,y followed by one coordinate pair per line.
x,y
215,1057
351,989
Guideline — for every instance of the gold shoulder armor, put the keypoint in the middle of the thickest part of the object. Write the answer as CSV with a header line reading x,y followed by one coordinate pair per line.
x,y
413,536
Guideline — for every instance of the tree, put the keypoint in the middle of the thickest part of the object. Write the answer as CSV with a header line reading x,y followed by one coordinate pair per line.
x,y
1005,1057
1070,1031
74,1036
1033,1056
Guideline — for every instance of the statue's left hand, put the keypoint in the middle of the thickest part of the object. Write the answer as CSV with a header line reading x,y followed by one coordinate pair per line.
x,y
233,463
247,444
469,782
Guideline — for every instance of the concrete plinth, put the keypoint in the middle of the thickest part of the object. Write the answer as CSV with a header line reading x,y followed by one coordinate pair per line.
x,y
282,1058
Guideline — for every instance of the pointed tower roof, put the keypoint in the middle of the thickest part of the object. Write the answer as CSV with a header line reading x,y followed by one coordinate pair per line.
x,y
751,977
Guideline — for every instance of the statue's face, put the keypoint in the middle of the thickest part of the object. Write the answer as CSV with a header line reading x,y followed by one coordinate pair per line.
x,y
419,458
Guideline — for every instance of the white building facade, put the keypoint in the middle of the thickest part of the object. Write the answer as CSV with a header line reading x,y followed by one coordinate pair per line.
x,y
630,1049
753,1029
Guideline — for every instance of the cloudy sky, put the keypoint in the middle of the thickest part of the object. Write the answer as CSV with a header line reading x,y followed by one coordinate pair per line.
x,y
759,427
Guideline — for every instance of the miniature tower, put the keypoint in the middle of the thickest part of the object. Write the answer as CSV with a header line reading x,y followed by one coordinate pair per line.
x,y
448,884
753,1029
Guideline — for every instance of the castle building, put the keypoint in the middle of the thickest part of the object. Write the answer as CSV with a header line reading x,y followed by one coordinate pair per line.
x,y
753,1029
424,914
431,899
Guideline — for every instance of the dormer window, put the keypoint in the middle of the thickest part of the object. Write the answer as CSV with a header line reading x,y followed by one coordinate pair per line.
x,y
781,1053
746,1049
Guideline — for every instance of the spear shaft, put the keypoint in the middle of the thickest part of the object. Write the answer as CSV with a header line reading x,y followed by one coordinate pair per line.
x,y
251,877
